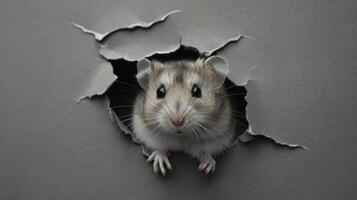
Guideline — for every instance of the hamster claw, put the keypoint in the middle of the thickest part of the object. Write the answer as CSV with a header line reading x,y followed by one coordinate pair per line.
x,y
160,162
207,163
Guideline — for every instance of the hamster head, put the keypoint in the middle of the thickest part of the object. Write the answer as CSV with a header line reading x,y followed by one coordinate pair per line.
x,y
182,97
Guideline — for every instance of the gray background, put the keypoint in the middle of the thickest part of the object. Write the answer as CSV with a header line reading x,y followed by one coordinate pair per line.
x,y
53,148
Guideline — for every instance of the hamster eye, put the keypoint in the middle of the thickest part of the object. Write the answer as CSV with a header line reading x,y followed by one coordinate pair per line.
x,y
161,91
196,91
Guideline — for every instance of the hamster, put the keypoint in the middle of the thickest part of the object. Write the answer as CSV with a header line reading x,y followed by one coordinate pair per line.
x,y
183,107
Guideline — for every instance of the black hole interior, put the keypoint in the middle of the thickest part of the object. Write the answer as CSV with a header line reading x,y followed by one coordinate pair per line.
x,y
124,90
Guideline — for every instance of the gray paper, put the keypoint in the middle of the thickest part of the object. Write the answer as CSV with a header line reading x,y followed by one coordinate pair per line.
x,y
296,58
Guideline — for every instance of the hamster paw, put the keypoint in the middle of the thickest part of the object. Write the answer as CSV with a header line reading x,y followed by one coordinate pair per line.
x,y
160,161
207,163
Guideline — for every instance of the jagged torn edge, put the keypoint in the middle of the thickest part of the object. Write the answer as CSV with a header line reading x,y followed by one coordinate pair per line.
x,y
101,37
103,79
249,135
177,46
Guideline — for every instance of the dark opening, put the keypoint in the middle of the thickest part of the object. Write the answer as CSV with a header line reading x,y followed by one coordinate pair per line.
x,y
123,91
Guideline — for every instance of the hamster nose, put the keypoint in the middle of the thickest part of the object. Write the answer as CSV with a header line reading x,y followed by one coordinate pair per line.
x,y
177,120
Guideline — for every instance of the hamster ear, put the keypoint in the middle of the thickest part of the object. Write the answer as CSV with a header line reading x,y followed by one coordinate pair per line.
x,y
220,66
143,67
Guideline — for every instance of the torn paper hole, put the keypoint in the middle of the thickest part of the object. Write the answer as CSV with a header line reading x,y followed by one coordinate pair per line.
x,y
124,90
137,41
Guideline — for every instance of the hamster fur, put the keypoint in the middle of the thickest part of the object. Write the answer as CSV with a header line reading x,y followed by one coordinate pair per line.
x,y
183,107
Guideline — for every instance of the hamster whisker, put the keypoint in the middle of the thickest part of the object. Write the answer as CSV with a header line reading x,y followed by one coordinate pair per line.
x,y
122,106
150,120
209,123
207,130
167,108
238,115
241,123
130,124
199,134
128,119
149,123
157,127
150,117
195,134
204,131
232,94
208,127
188,112
237,112
163,105
186,109
232,86
128,84
124,116
208,98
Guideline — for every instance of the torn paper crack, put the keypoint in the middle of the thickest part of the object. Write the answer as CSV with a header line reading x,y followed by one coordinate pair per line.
x,y
142,25
101,80
221,47
249,135
97,36
101,36
138,43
